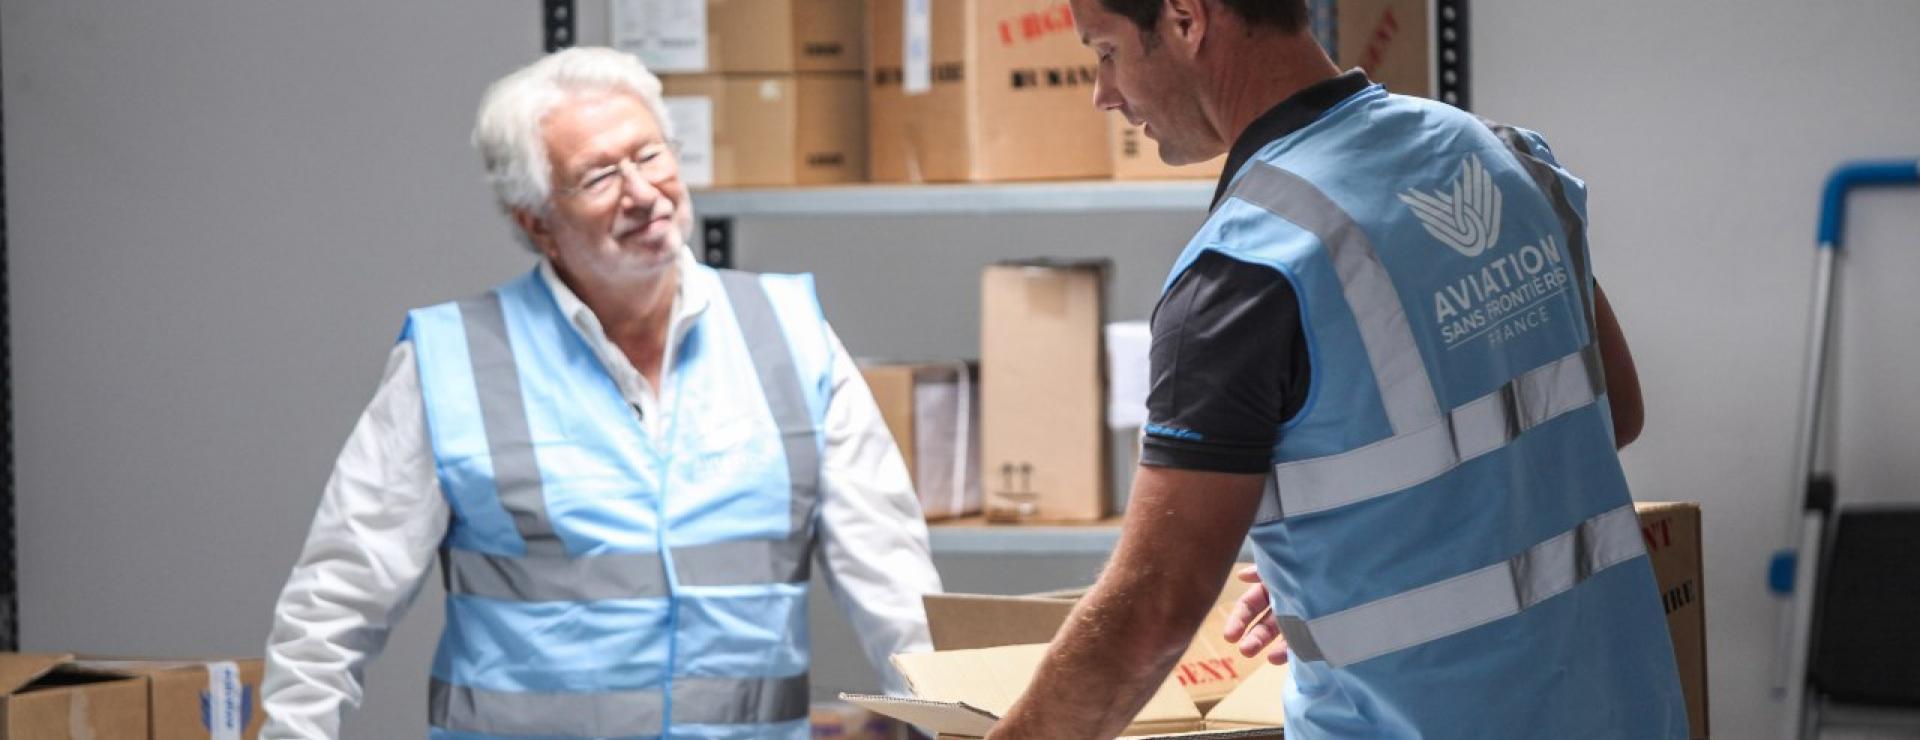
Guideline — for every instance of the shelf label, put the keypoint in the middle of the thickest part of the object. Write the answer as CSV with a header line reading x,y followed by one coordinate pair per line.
x,y
693,125
918,53
669,35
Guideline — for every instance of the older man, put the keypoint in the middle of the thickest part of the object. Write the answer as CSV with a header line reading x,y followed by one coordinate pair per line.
x,y
1383,355
623,459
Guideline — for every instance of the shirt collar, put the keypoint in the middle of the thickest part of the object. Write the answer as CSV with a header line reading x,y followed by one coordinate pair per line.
x,y
1292,114
690,301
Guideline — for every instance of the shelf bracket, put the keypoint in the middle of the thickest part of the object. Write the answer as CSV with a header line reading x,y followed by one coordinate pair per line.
x,y
716,241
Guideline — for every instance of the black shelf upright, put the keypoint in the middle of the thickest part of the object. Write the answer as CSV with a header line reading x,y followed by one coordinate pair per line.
x,y
559,22
1450,53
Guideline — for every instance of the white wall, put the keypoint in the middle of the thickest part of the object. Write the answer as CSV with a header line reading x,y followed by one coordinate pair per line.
x,y
1705,130
219,210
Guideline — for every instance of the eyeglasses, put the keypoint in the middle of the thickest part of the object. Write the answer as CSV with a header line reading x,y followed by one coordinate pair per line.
x,y
654,163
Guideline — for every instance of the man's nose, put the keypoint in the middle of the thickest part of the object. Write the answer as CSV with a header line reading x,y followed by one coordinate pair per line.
x,y
1105,95
639,190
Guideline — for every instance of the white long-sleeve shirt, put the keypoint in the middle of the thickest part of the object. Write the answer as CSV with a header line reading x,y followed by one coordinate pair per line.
x,y
382,518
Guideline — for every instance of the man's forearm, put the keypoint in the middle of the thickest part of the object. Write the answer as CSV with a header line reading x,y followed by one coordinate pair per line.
x,y
1122,639
1115,650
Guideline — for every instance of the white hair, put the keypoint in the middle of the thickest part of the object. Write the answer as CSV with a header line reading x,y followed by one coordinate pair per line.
x,y
508,129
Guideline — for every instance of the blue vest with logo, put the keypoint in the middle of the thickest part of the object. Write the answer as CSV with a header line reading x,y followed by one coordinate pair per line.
x,y
1447,532
604,583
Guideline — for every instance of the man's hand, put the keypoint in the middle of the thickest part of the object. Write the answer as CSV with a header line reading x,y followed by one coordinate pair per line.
x,y
1251,624
1176,549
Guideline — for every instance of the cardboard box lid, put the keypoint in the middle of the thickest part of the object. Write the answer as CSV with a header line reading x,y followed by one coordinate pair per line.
x,y
1256,701
1210,668
964,692
18,670
970,621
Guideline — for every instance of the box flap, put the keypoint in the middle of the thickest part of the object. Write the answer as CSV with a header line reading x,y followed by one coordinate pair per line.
x,y
19,669
971,621
1655,507
945,718
1257,701
992,679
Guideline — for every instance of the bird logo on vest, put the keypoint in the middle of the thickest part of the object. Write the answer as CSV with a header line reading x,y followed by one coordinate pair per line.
x,y
1465,215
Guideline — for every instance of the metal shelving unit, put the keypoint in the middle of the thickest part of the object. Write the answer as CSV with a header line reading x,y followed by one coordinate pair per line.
x,y
1186,196
973,537
719,208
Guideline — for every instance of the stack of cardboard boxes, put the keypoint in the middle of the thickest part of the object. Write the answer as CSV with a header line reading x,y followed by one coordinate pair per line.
x,y
819,92
762,92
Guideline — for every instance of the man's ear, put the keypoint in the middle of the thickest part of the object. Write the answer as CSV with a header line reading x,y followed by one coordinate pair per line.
x,y
535,227
1187,22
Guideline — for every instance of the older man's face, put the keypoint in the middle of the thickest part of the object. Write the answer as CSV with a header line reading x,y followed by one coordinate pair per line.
x,y
619,210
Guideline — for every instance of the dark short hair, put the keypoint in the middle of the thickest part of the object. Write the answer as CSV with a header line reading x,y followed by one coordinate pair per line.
x,y
1287,15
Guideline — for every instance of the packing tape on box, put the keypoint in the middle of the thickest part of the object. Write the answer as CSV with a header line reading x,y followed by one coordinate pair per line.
x,y
78,728
225,705
917,48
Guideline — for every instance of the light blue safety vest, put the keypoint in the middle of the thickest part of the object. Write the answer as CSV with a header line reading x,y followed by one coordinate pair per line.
x,y
1447,533
601,584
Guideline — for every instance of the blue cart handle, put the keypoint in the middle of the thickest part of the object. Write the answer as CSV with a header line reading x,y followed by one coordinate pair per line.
x,y
1833,206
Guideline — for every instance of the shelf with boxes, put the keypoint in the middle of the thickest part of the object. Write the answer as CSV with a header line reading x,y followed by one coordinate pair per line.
x,y
951,107
1077,196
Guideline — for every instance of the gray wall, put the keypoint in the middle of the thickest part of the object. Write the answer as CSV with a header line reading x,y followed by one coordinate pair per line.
x,y
219,210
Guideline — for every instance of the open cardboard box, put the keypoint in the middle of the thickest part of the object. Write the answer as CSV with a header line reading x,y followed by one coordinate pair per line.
x,y
46,696
987,648
195,699
963,696
1209,670
963,693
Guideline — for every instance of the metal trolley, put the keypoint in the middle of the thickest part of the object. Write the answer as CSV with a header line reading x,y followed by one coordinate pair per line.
x,y
1849,578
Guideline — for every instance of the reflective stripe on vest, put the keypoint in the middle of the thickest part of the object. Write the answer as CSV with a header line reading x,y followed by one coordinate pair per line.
x,y
547,573
780,382
496,379
1405,389
1425,443
1465,601
639,713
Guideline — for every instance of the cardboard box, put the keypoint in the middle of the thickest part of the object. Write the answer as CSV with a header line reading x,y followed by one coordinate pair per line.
x,y
994,90
742,36
1392,40
933,410
963,693
1672,534
1043,392
843,721
211,699
1209,670
48,697
1136,156
762,130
